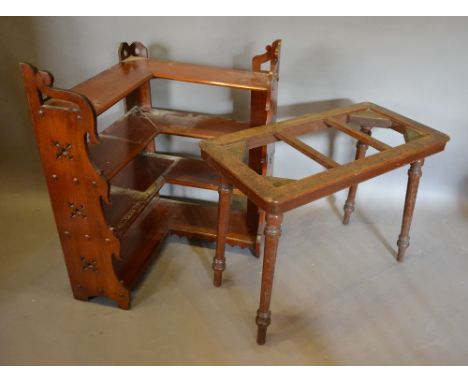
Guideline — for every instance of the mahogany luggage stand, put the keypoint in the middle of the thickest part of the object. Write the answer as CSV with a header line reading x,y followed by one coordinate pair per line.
x,y
104,187
276,196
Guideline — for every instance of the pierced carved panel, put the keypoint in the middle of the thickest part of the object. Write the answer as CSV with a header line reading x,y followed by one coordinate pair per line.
x,y
88,265
63,151
77,211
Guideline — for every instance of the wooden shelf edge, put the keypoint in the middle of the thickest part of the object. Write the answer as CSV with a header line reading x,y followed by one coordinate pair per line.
x,y
209,75
139,245
199,221
111,85
193,125
190,172
121,142
133,189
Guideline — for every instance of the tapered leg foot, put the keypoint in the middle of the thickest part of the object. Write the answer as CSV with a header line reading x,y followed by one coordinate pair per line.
x,y
219,261
261,335
414,175
348,210
263,321
272,235
219,265
403,244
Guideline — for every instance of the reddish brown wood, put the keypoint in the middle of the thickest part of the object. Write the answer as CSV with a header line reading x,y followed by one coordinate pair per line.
x,y
201,74
112,85
272,235
105,187
199,221
361,149
263,107
414,175
219,261
367,139
142,95
76,188
193,125
281,195
306,149
121,142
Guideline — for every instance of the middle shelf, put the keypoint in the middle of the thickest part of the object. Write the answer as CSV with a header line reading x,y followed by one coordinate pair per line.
x,y
136,177
142,178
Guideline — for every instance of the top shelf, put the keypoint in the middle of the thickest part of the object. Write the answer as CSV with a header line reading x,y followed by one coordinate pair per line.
x,y
110,86
202,74
113,84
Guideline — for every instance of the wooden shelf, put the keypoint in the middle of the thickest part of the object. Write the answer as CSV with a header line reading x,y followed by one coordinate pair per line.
x,y
208,75
193,125
189,172
108,87
104,264
165,216
199,220
140,242
133,189
121,142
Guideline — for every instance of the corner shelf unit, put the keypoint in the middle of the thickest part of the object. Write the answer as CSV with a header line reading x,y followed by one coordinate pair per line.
x,y
104,188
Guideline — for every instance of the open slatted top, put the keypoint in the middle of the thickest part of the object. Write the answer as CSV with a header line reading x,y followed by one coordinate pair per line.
x,y
224,153
111,85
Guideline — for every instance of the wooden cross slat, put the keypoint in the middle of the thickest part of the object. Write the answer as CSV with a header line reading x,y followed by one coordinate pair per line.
x,y
306,149
364,138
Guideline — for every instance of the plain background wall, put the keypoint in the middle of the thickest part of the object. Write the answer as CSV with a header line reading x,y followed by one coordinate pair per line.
x,y
415,66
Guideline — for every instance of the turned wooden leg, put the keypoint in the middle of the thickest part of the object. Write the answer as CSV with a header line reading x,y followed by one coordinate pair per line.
x,y
414,175
361,149
219,261
272,235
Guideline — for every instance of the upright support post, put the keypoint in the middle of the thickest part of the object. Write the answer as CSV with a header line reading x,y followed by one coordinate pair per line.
x,y
414,175
141,96
263,106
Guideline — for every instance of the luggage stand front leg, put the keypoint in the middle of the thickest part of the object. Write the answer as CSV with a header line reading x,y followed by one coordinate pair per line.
x,y
272,235
414,175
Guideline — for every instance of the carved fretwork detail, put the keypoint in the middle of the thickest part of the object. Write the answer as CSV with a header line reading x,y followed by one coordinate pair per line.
x,y
63,150
136,49
88,265
77,211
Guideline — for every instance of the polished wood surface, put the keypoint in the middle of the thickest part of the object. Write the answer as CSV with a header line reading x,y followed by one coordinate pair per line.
x,y
277,197
193,125
121,142
272,235
105,188
361,149
414,175
119,81
208,75
219,261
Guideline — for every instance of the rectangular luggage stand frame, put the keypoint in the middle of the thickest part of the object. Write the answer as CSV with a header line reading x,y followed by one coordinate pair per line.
x,y
276,196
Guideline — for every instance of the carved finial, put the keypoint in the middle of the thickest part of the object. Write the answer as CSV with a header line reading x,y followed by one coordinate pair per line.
x,y
135,49
272,54
274,49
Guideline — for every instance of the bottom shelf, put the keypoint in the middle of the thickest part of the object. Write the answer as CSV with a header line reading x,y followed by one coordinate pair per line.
x,y
164,216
